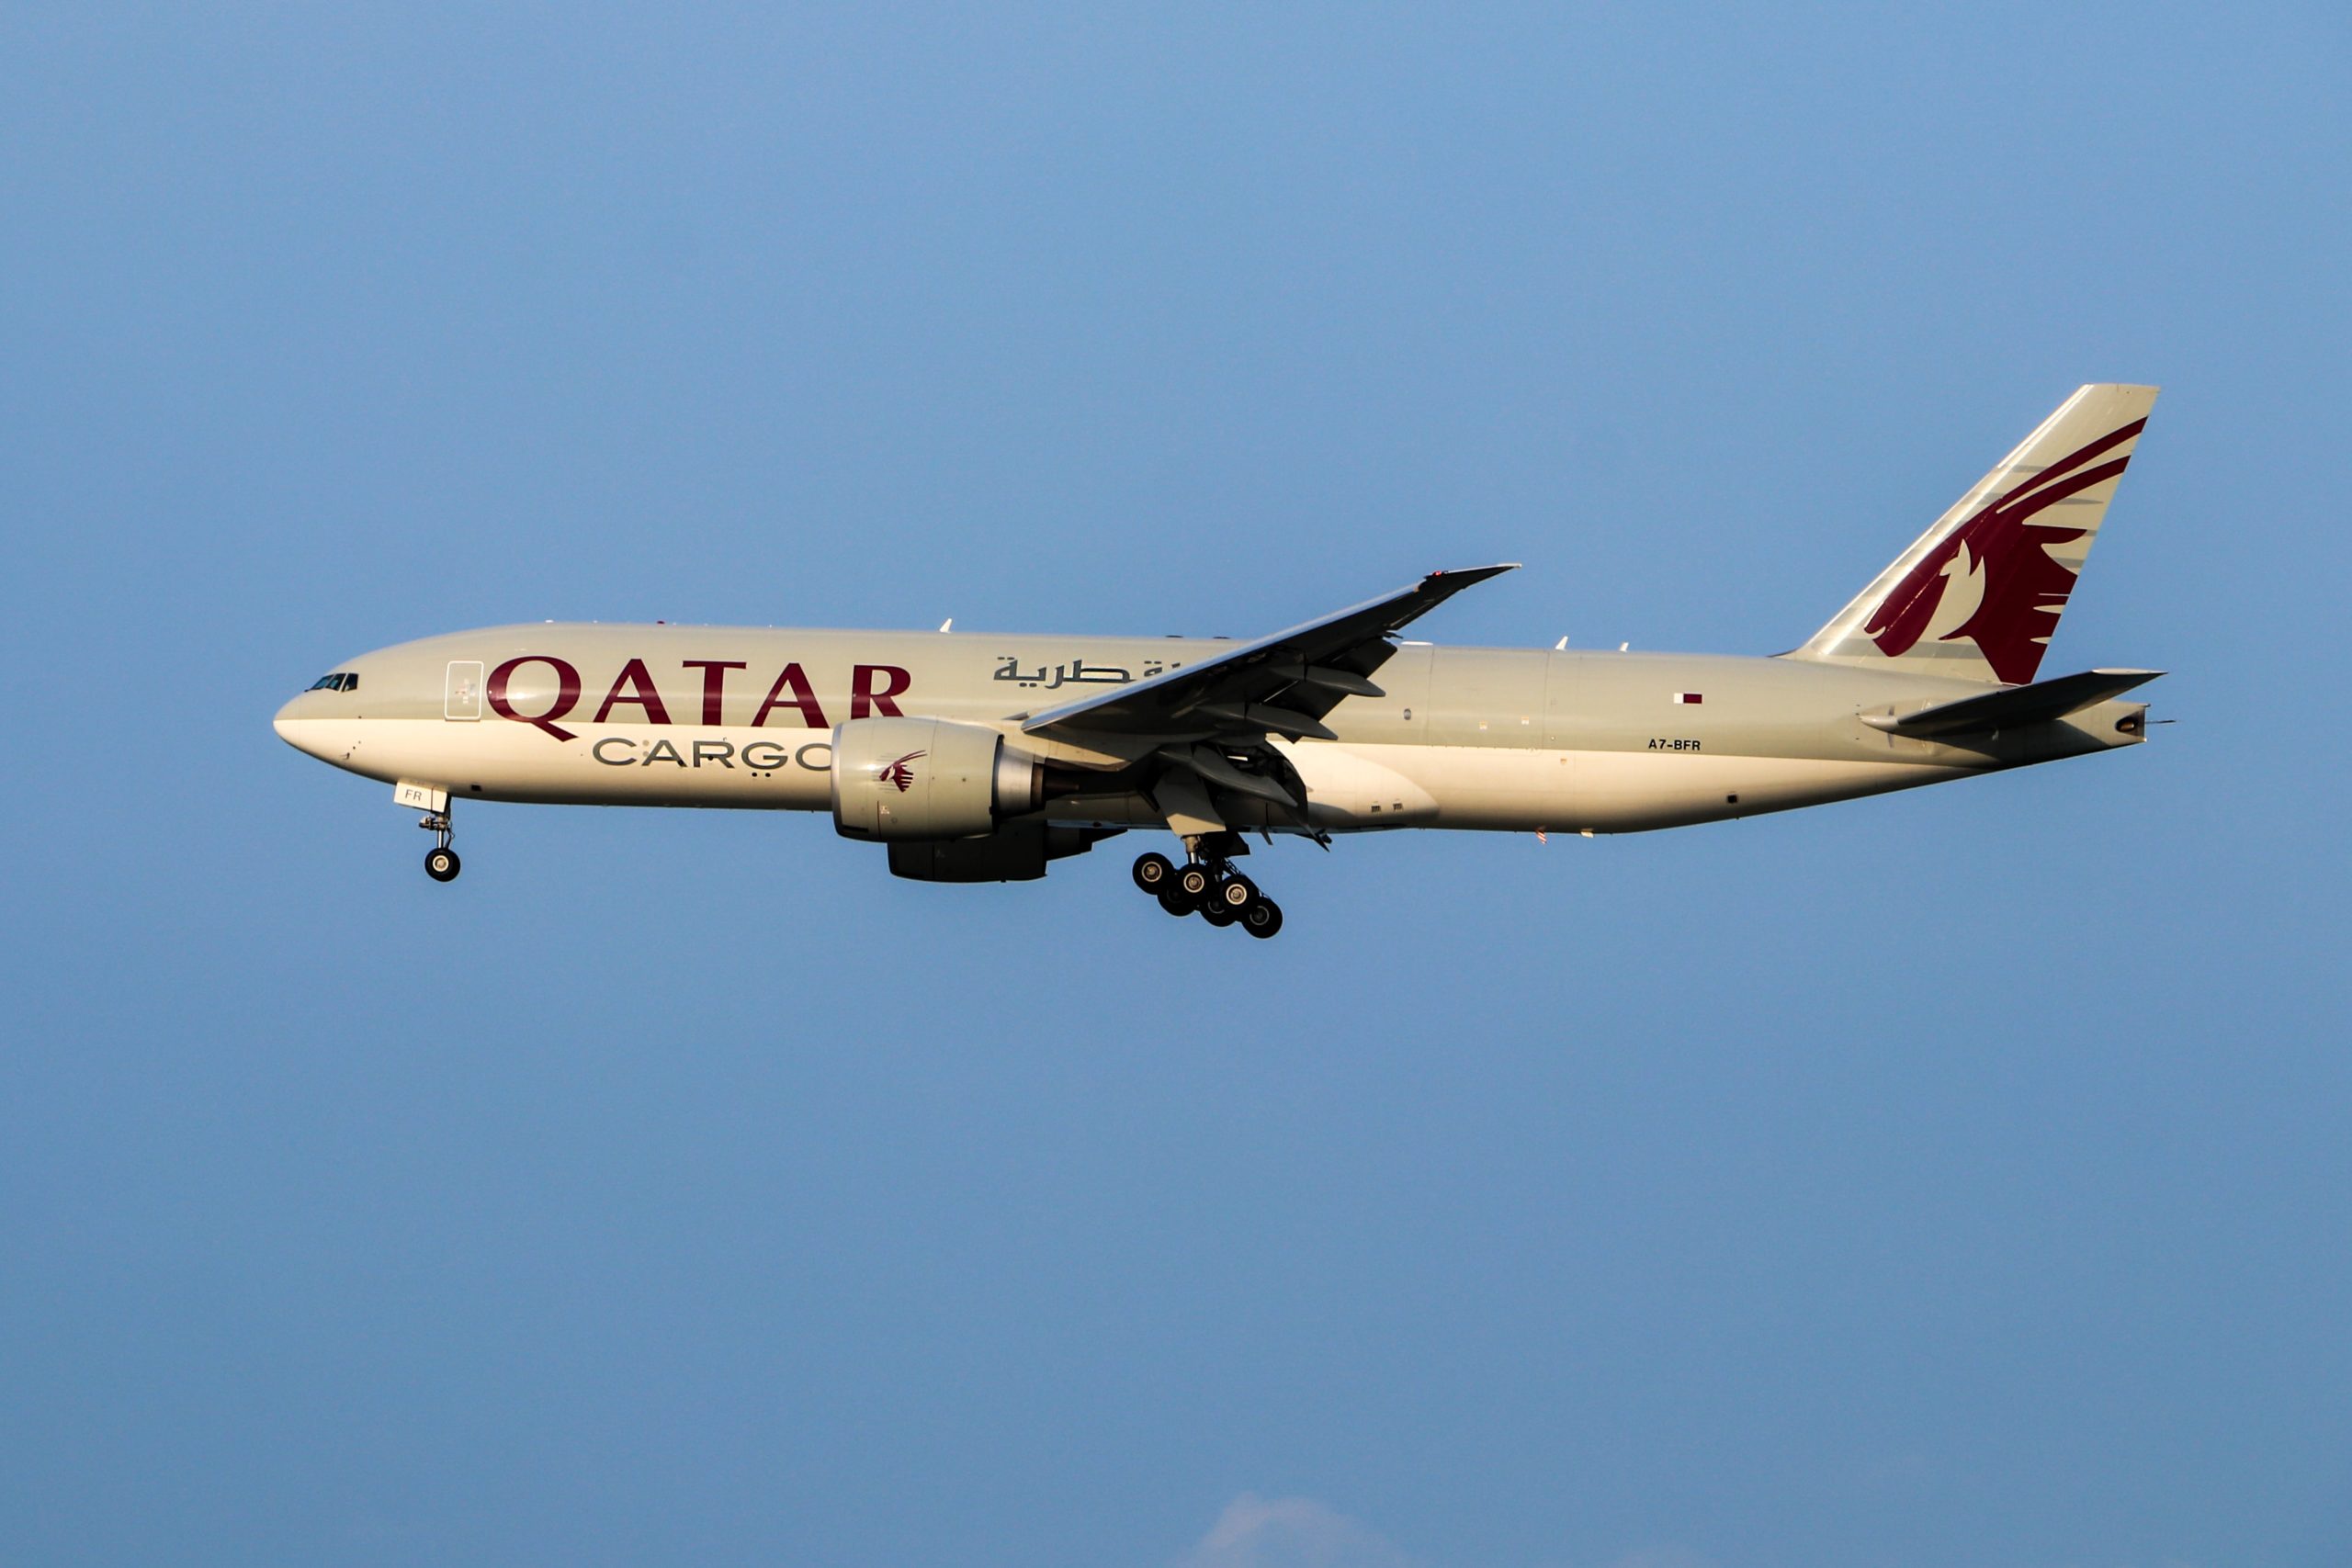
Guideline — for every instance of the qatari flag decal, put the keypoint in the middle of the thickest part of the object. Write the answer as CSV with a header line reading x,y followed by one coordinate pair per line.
x,y
1690,696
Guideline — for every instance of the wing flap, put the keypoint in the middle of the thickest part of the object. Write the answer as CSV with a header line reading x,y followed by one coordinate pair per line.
x,y
1268,719
1212,767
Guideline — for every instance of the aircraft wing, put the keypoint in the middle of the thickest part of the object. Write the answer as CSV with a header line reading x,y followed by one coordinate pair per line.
x,y
1282,684
1213,718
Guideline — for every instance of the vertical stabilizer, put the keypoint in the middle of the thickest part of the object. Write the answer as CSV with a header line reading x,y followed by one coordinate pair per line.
x,y
1977,595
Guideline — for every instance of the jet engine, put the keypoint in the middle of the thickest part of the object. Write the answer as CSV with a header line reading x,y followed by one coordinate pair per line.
x,y
900,780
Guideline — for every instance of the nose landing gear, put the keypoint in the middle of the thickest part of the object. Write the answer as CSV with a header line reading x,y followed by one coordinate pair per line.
x,y
441,863
1211,889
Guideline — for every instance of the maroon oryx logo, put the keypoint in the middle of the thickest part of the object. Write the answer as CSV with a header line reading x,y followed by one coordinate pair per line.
x,y
898,774
2001,557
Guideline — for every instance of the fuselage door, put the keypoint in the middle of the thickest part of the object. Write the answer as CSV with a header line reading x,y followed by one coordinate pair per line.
x,y
461,698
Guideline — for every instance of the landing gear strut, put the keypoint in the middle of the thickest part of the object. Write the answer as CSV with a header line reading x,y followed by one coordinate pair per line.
x,y
1209,887
441,861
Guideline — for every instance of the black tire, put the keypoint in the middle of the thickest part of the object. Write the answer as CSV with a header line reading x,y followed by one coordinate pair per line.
x,y
1194,882
1218,915
1174,902
1236,893
441,865
1154,872
1262,919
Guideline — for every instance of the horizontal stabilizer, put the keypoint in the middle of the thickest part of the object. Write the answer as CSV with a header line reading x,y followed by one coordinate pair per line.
x,y
2013,707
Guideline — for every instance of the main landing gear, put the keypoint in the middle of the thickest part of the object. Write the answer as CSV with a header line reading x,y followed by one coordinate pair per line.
x,y
441,861
1211,889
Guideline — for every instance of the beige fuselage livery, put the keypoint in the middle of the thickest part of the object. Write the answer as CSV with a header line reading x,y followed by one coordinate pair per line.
x,y
1499,738
982,757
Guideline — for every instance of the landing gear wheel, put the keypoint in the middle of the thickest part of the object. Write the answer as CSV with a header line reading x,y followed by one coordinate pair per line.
x,y
1236,893
1173,900
1218,915
1154,872
1194,882
1262,919
441,863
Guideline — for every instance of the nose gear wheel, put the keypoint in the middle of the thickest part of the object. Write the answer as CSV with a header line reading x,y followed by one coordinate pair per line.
x,y
441,863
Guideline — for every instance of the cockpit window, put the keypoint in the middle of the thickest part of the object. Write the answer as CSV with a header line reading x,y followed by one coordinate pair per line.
x,y
341,681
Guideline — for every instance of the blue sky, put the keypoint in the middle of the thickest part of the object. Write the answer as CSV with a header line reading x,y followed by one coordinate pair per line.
x,y
1953,1179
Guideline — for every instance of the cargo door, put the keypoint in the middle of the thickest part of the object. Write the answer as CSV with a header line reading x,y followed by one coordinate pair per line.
x,y
1486,696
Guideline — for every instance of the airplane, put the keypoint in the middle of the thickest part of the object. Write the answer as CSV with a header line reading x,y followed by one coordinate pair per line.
x,y
980,757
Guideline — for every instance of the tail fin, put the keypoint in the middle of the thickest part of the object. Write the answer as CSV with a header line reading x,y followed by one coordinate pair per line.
x,y
1977,595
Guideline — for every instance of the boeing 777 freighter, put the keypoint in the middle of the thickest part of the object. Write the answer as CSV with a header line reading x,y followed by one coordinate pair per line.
x,y
983,756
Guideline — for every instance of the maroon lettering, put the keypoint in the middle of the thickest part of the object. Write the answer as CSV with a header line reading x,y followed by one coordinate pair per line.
x,y
567,694
714,684
802,697
641,692
864,700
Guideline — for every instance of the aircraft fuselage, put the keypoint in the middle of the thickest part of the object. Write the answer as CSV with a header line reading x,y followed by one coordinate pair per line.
x,y
1470,737
982,757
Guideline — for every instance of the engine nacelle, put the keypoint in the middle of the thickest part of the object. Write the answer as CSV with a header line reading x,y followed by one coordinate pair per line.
x,y
1017,853
897,780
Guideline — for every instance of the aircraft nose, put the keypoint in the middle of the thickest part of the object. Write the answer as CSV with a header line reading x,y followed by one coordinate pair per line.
x,y
284,722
